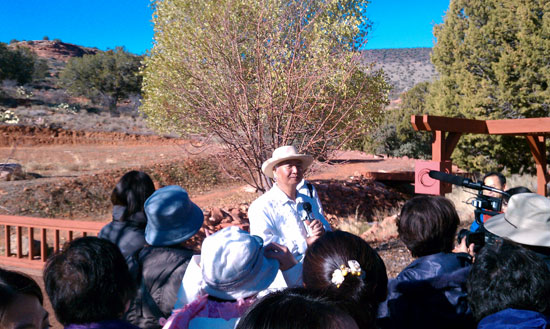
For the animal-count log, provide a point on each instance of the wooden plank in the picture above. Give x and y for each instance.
(21, 262)
(458, 125)
(531, 126)
(47, 223)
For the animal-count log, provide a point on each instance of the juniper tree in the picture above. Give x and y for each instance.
(493, 60)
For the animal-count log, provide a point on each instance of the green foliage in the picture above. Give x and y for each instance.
(396, 136)
(260, 74)
(110, 75)
(492, 57)
(20, 64)
(46, 38)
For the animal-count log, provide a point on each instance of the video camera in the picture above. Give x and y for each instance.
(484, 206)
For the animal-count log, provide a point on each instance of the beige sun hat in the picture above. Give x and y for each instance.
(526, 220)
(285, 153)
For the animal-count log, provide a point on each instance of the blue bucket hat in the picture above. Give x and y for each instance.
(171, 217)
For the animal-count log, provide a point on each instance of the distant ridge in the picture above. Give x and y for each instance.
(54, 49)
(404, 67)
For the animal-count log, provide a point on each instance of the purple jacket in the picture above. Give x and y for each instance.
(513, 318)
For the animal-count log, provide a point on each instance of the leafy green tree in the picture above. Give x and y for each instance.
(110, 75)
(492, 57)
(19, 64)
(256, 75)
(395, 136)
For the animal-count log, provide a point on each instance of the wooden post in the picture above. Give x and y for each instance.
(43, 245)
(7, 240)
(537, 144)
(31, 244)
(18, 241)
(56, 241)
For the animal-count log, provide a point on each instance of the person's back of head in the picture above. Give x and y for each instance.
(508, 276)
(88, 282)
(427, 225)
(344, 266)
(132, 190)
(298, 308)
(21, 302)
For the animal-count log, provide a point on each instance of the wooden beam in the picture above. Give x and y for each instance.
(450, 143)
(458, 125)
(532, 126)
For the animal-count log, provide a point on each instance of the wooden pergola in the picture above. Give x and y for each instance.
(447, 132)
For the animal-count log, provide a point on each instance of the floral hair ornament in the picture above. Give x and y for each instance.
(339, 274)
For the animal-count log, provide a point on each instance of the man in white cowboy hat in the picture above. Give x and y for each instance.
(282, 214)
(526, 222)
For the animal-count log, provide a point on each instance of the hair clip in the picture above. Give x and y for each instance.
(339, 274)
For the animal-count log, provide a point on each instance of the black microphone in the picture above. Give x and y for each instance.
(307, 207)
(456, 180)
(462, 181)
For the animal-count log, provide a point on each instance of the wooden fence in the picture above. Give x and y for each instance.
(44, 236)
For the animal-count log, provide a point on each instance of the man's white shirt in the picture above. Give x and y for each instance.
(276, 218)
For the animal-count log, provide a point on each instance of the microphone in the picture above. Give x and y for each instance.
(307, 207)
(455, 180)
(309, 218)
(462, 181)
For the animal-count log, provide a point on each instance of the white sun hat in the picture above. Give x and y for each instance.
(526, 220)
(234, 266)
(285, 153)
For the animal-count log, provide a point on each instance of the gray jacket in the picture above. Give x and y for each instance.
(158, 272)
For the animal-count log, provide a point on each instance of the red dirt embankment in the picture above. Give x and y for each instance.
(35, 136)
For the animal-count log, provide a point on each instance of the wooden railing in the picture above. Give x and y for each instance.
(52, 233)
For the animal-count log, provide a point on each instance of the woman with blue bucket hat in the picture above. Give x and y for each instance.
(172, 219)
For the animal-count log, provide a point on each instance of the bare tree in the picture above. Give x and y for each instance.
(256, 75)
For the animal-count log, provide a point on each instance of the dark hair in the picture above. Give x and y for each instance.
(334, 249)
(14, 283)
(500, 176)
(295, 308)
(508, 276)
(132, 190)
(88, 282)
(427, 225)
(515, 190)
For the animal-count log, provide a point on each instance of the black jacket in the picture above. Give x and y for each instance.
(429, 293)
(158, 272)
(128, 233)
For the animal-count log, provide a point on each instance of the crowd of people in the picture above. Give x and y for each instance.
(291, 270)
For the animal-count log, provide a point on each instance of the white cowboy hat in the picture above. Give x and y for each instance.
(285, 153)
(526, 220)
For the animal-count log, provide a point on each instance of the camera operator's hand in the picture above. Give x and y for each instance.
(465, 249)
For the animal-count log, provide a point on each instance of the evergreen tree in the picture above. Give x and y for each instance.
(110, 75)
(18, 64)
(492, 58)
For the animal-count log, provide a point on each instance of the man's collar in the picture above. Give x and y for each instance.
(279, 196)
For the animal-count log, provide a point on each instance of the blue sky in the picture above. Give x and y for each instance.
(106, 24)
